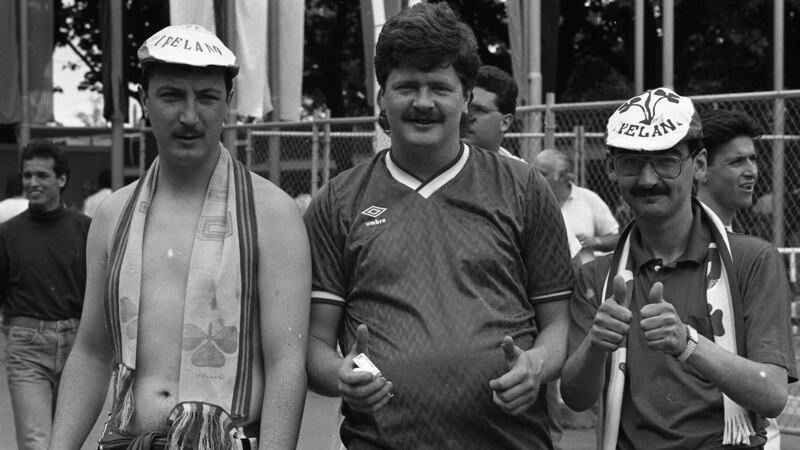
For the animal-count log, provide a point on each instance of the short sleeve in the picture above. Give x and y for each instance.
(585, 302)
(326, 237)
(766, 296)
(546, 252)
(604, 223)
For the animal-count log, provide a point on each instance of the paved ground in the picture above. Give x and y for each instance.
(318, 432)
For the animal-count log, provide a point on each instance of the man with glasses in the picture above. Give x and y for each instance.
(491, 109)
(683, 331)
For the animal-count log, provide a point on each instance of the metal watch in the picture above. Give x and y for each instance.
(691, 344)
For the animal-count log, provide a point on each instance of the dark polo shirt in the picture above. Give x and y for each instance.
(666, 403)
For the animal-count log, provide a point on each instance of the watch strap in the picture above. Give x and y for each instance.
(691, 344)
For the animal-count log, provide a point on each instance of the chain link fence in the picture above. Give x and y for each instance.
(301, 156)
(578, 130)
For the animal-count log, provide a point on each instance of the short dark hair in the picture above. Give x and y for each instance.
(14, 185)
(501, 84)
(145, 79)
(723, 125)
(44, 149)
(424, 37)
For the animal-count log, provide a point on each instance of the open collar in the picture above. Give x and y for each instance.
(435, 182)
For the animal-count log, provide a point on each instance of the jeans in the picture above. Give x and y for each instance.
(36, 357)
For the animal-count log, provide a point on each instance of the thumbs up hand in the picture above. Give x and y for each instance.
(612, 321)
(516, 390)
(362, 390)
(663, 329)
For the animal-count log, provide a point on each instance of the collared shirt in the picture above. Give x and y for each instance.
(666, 403)
(508, 154)
(586, 213)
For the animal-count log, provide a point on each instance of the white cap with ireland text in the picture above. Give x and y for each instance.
(191, 45)
(656, 120)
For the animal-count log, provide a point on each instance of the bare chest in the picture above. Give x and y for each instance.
(166, 256)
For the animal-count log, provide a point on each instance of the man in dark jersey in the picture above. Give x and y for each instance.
(438, 261)
(684, 329)
(42, 281)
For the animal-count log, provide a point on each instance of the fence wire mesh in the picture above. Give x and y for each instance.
(577, 129)
(301, 156)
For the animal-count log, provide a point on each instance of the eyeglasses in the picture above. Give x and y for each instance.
(479, 110)
(668, 167)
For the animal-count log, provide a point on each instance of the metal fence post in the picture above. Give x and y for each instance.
(550, 122)
(275, 158)
(326, 152)
(314, 157)
(580, 156)
(248, 149)
(778, 174)
(142, 150)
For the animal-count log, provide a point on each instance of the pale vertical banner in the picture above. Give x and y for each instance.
(40, 62)
(252, 88)
(516, 38)
(291, 17)
(10, 101)
(200, 12)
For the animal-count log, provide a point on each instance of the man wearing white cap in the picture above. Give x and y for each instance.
(198, 281)
(683, 331)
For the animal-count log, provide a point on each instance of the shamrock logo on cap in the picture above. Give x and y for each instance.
(655, 120)
(649, 112)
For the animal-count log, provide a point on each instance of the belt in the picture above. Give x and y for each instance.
(29, 322)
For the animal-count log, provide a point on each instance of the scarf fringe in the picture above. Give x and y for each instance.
(199, 428)
(737, 428)
(122, 412)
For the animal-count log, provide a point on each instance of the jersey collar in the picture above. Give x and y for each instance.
(434, 183)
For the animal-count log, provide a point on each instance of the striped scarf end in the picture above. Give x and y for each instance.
(737, 430)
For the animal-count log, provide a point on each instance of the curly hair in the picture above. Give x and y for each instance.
(427, 36)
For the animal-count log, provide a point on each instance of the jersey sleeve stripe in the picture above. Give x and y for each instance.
(553, 296)
(326, 297)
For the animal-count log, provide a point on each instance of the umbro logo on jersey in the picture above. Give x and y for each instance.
(373, 211)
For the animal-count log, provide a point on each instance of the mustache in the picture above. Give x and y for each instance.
(430, 116)
(644, 191)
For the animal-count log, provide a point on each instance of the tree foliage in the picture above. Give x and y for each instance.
(80, 24)
(720, 46)
(333, 58)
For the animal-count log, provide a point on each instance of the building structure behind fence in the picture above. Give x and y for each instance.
(302, 156)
